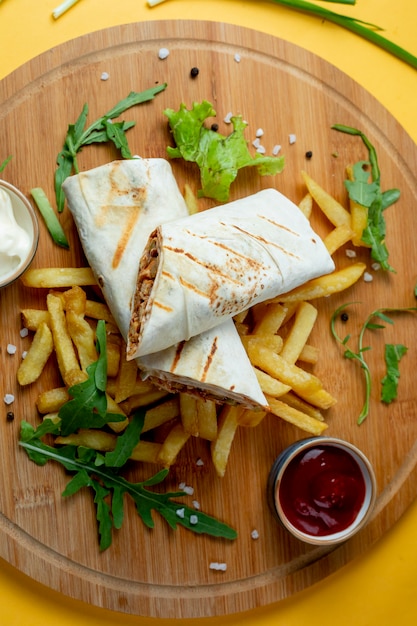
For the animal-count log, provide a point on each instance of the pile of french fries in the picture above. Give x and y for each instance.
(275, 335)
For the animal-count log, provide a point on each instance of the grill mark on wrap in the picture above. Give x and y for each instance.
(208, 266)
(209, 359)
(267, 242)
(207, 364)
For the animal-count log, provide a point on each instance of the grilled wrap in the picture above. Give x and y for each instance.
(115, 208)
(196, 272)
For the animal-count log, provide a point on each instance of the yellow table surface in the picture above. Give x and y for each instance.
(378, 588)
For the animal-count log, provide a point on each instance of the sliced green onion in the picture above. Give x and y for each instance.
(50, 218)
(63, 8)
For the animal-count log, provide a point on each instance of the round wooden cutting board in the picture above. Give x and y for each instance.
(284, 90)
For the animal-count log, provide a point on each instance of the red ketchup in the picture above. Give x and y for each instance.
(322, 490)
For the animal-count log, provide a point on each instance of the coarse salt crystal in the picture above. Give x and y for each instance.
(105, 76)
(219, 567)
(254, 534)
(181, 486)
(376, 266)
(256, 142)
(193, 519)
(24, 332)
(237, 57)
(196, 505)
(292, 138)
(259, 132)
(351, 254)
(228, 118)
(180, 513)
(261, 149)
(367, 277)
(24, 354)
(163, 53)
(276, 149)
(199, 462)
(188, 490)
(11, 349)
(8, 398)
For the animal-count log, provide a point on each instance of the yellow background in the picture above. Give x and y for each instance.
(379, 588)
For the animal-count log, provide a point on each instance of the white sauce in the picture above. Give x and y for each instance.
(15, 243)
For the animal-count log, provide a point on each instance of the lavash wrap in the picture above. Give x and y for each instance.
(198, 271)
(115, 207)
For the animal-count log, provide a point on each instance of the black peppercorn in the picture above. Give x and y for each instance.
(194, 72)
(215, 127)
(344, 317)
(10, 416)
(309, 154)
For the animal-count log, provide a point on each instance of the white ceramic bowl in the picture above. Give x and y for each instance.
(26, 218)
(322, 490)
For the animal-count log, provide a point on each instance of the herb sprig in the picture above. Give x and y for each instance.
(102, 130)
(359, 355)
(101, 472)
(369, 194)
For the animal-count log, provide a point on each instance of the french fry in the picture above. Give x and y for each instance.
(271, 385)
(113, 356)
(79, 330)
(52, 400)
(332, 209)
(115, 409)
(306, 205)
(161, 414)
(273, 342)
(188, 412)
(171, 447)
(302, 382)
(251, 418)
(309, 354)
(139, 400)
(126, 376)
(327, 285)
(303, 324)
(221, 446)
(297, 403)
(359, 217)
(98, 311)
(296, 417)
(207, 419)
(38, 354)
(190, 199)
(273, 315)
(32, 318)
(146, 452)
(54, 277)
(102, 441)
(338, 237)
(64, 348)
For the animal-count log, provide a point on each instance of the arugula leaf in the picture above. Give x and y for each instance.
(358, 355)
(110, 488)
(100, 131)
(369, 194)
(88, 406)
(393, 355)
(126, 442)
(219, 157)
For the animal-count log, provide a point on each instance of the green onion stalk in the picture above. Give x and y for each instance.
(366, 30)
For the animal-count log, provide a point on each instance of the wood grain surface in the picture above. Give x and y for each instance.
(283, 89)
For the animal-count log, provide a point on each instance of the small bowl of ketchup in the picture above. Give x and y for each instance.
(322, 490)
